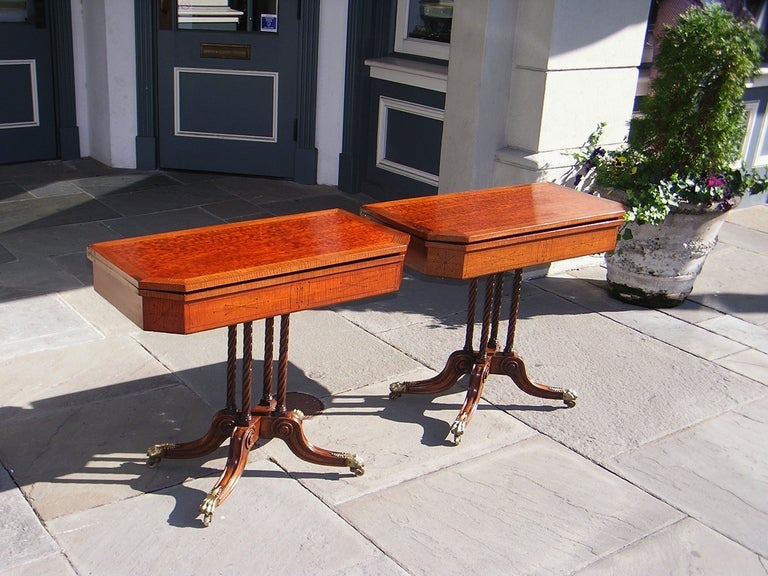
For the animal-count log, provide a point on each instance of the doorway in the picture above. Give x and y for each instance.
(227, 85)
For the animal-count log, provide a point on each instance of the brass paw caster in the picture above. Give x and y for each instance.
(396, 390)
(356, 465)
(208, 506)
(569, 398)
(155, 453)
(458, 427)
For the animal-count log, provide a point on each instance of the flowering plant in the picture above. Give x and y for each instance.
(684, 145)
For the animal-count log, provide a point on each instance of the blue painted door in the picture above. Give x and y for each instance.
(27, 118)
(227, 85)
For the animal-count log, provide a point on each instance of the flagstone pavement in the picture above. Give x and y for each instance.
(660, 468)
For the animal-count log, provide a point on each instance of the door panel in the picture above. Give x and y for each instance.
(227, 87)
(27, 119)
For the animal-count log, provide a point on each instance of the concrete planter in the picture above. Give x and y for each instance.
(658, 266)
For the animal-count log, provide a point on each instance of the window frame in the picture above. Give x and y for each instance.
(416, 46)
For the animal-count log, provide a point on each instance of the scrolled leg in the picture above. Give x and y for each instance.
(288, 428)
(458, 364)
(243, 439)
(221, 427)
(510, 364)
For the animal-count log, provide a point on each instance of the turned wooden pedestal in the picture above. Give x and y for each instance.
(204, 278)
(485, 233)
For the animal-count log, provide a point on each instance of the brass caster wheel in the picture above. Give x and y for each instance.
(396, 390)
(155, 453)
(356, 465)
(457, 429)
(208, 506)
(569, 398)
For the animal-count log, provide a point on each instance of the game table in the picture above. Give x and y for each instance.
(204, 278)
(486, 233)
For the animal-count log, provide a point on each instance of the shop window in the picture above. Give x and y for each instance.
(424, 28)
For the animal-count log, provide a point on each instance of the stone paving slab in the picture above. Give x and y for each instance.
(41, 322)
(736, 329)
(70, 459)
(508, 513)
(738, 286)
(20, 280)
(269, 525)
(681, 335)
(168, 221)
(53, 211)
(12, 192)
(78, 374)
(99, 313)
(674, 327)
(756, 218)
(398, 439)
(684, 548)
(750, 363)
(173, 197)
(57, 240)
(717, 471)
(98, 186)
(22, 538)
(49, 566)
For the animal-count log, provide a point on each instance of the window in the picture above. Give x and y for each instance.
(245, 15)
(14, 11)
(424, 27)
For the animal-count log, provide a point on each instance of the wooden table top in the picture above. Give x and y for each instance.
(494, 213)
(471, 234)
(214, 256)
(204, 278)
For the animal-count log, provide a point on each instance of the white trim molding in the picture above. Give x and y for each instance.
(416, 46)
(385, 105)
(178, 131)
(410, 73)
(35, 120)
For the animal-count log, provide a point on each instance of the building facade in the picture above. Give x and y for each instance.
(395, 98)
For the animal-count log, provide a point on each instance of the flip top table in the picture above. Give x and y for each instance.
(204, 278)
(485, 233)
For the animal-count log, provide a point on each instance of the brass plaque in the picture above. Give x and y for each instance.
(232, 51)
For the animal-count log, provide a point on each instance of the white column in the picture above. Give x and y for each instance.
(575, 65)
(477, 96)
(105, 73)
(529, 80)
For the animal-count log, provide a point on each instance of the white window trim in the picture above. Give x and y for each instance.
(416, 46)
(179, 131)
(385, 105)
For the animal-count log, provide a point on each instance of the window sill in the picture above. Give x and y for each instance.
(409, 72)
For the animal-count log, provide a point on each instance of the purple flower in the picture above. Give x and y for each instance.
(715, 181)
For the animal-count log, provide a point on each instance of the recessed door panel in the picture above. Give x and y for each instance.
(27, 121)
